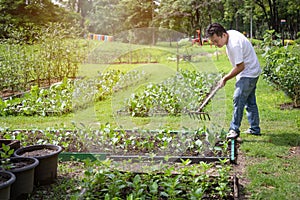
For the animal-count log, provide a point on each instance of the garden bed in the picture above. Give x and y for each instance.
(152, 159)
(160, 145)
(153, 182)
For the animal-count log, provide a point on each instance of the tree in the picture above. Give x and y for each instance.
(136, 13)
(103, 18)
(188, 16)
(276, 10)
(28, 14)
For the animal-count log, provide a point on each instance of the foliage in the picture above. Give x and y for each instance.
(68, 95)
(103, 17)
(188, 16)
(137, 14)
(282, 67)
(53, 101)
(52, 57)
(298, 38)
(66, 138)
(115, 53)
(256, 43)
(172, 182)
(21, 15)
(5, 154)
(185, 91)
(201, 142)
(112, 17)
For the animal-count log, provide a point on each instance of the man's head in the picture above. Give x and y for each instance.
(217, 34)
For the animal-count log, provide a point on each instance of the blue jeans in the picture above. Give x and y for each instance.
(244, 96)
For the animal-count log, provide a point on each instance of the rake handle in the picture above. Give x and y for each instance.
(212, 93)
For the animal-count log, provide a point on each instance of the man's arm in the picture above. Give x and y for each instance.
(235, 71)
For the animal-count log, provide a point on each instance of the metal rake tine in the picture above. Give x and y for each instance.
(199, 116)
(191, 115)
(196, 116)
(208, 117)
(204, 116)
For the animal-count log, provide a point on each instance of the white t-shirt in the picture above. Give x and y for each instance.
(239, 49)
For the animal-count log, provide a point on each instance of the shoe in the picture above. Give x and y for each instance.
(232, 134)
(251, 132)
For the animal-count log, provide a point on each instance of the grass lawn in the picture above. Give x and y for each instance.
(269, 165)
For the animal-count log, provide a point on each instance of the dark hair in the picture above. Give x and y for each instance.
(215, 28)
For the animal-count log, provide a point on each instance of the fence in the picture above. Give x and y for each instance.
(99, 37)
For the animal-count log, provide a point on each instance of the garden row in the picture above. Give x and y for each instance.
(182, 92)
(55, 54)
(178, 94)
(202, 142)
(123, 53)
(68, 95)
(150, 179)
(282, 67)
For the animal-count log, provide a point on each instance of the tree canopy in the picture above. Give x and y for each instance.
(187, 16)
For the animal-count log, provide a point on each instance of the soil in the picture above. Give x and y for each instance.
(239, 169)
(3, 179)
(39, 152)
(294, 152)
(16, 93)
(288, 106)
(18, 164)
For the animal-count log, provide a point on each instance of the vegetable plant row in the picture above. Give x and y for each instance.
(282, 67)
(185, 91)
(203, 142)
(56, 54)
(150, 180)
(173, 182)
(68, 95)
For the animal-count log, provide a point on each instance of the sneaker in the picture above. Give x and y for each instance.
(251, 132)
(232, 134)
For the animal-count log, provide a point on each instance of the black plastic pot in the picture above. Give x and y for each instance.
(46, 171)
(24, 176)
(9, 178)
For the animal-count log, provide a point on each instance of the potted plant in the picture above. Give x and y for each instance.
(23, 170)
(47, 154)
(6, 180)
(13, 144)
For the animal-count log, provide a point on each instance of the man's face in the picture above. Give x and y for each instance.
(219, 41)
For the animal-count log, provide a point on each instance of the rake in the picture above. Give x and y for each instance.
(199, 114)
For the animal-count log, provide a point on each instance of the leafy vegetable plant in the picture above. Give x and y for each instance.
(282, 67)
(185, 91)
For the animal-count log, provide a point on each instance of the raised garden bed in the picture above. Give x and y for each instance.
(156, 180)
(132, 151)
(200, 145)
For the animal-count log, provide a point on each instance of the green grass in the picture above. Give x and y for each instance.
(273, 173)
(271, 169)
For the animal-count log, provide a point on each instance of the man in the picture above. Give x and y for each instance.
(246, 69)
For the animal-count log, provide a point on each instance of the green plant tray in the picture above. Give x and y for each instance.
(69, 156)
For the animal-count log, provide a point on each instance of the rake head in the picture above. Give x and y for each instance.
(199, 115)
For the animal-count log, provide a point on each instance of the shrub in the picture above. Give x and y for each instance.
(282, 67)
(256, 42)
(289, 42)
(298, 38)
